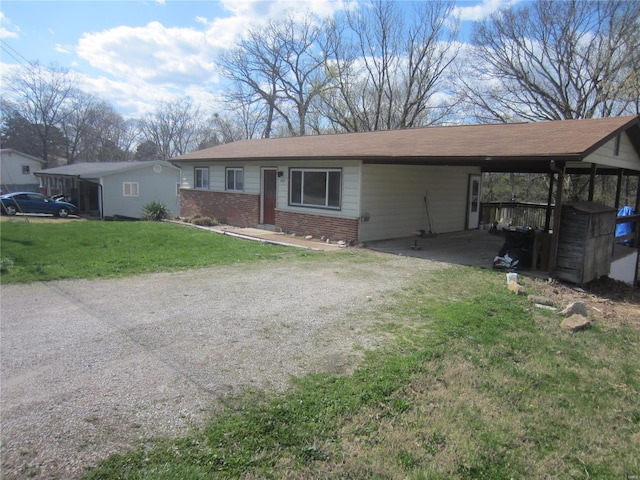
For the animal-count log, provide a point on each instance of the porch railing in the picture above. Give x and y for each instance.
(516, 214)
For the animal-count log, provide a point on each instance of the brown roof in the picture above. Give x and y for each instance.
(559, 140)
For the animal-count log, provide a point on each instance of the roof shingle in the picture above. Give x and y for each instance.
(565, 138)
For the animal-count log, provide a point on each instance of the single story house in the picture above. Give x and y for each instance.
(114, 189)
(386, 184)
(17, 171)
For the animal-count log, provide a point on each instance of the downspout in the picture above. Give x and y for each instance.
(555, 237)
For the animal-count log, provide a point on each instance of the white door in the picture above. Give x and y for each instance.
(473, 206)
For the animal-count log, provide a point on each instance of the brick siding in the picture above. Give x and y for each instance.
(238, 209)
(243, 210)
(335, 228)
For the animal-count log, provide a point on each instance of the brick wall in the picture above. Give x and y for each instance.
(335, 228)
(239, 209)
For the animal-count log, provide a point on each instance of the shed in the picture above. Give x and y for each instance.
(115, 189)
(585, 242)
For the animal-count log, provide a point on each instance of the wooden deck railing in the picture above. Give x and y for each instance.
(516, 213)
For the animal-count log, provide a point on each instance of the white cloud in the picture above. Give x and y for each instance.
(153, 53)
(153, 62)
(60, 48)
(7, 29)
(482, 10)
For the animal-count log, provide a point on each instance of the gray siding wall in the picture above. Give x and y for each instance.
(627, 156)
(393, 198)
(152, 186)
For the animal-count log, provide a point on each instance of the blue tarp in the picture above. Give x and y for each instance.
(623, 229)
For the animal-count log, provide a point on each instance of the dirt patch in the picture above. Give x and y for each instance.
(35, 218)
(607, 300)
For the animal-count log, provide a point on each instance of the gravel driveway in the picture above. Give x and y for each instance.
(89, 368)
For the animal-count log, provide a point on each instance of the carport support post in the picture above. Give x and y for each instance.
(547, 219)
(619, 188)
(553, 251)
(592, 181)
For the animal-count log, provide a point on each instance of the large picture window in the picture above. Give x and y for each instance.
(315, 188)
(235, 179)
(201, 179)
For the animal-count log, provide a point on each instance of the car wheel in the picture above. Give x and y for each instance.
(63, 212)
(9, 209)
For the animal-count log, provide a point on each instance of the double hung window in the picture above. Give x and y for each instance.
(201, 178)
(130, 189)
(315, 187)
(235, 179)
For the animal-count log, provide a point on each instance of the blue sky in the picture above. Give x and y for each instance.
(135, 53)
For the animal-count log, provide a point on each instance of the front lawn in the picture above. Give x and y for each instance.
(36, 249)
(475, 382)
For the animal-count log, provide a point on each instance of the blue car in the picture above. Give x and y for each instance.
(29, 202)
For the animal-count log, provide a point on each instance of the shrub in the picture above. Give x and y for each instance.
(155, 211)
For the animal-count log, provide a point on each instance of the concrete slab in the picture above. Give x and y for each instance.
(471, 247)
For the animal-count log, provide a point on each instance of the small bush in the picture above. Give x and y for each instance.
(155, 212)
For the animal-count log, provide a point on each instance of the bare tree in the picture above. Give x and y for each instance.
(555, 60)
(95, 132)
(176, 127)
(281, 66)
(389, 76)
(41, 97)
(254, 66)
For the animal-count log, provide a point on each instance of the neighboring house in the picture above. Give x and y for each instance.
(17, 171)
(114, 189)
(387, 184)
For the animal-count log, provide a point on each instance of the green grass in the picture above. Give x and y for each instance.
(35, 250)
(477, 385)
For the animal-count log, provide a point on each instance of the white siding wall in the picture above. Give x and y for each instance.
(217, 176)
(252, 178)
(11, 176)
(350, 202)
(159, 187)
(393, 196)
(626, 158)
(188, 176)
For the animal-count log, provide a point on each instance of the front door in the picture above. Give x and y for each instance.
(473, 206)
(269, 196)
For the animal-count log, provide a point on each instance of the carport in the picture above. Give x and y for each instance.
(592, 147)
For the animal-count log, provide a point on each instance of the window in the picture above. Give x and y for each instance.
(26, 170)
(235, 179)
(315, 188)
(201, 178)
(130, 189)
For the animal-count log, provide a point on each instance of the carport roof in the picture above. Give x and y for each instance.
(489, 145)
